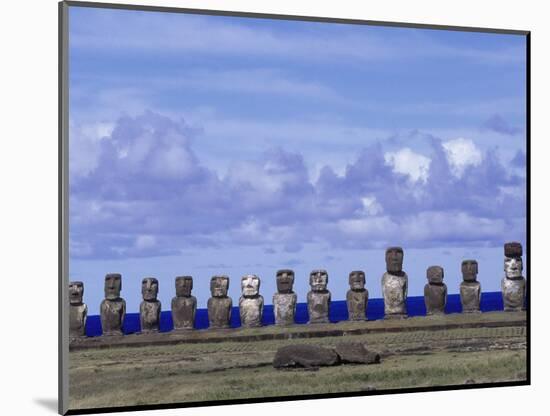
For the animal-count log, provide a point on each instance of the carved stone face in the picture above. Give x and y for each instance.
(357, 280)
(394, 259)
(219, 286)
(184, 286)
(435, 274)
(318, 280)
(469, 270)
(149, 288)
(513, 266)
(76, 292)
(113, 286)
(285, 281)
(250, 285)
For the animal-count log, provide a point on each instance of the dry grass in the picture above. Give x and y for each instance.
(238, 370)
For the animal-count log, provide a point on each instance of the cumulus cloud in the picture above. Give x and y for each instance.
(371, 205)
(407, 162)
(148, 194)
(277, 171)
(462, 153)
(84, 149)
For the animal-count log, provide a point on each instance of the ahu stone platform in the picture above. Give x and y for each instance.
(340, 329)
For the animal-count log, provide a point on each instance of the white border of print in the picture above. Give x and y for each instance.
(29, 212)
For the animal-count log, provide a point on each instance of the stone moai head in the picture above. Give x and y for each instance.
(357, 280)
(285, 280)
(250, 285)
(435, 275)
(113, 286)
(219, 285)
(184, 286)
(469, 270)
(150, 288)
(513, 265)
(318, 280)
(394, 260)
(76, 292)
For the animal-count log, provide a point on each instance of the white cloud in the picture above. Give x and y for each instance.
(173, 162)
(409, 163)
(371, 205)
(462, 153)
(99, 130)
(253, 231)
(84, 149)
(271, 199)
(254, 175)
(427, 228)
(274, 173)
(377, 231)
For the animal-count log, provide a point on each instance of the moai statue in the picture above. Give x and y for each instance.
(78, 311)
(357, 296)
(470, 288)
(435, 292)
(219, 305)
(113, 307)
(318, 298)
(149, 309)
(513, 283)
(184, 306)
(251, 303)
(395, 285)
(284, 301)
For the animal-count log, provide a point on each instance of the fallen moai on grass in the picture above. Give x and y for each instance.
(311, 356)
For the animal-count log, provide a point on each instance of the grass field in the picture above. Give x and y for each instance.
(195, 372)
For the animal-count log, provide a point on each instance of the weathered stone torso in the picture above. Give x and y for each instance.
(470, 296)
(77, 320)
(112, 316)
(219, 312)
(149, 316)
(183, 312)
(318, 304)
(394, 290)
(435, 298)
(357, 304)
(251, 311)
(284, 308)
(513, 294)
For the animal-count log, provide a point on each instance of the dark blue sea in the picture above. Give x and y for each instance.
(490, 301)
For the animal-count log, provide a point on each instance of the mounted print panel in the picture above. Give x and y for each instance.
(266, 208)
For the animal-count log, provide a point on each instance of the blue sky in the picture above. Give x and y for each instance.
(205, 144)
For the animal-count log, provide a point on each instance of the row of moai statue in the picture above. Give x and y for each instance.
(251, 303)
